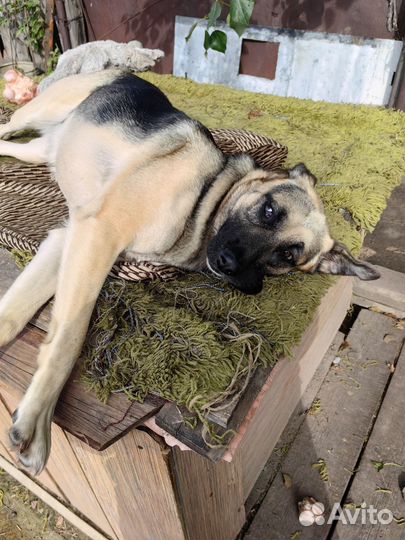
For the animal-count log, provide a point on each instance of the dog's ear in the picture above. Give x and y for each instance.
(302, 174)
(341, 262)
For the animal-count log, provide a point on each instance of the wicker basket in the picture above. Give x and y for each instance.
(31, 203)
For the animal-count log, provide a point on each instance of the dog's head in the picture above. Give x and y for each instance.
(271, 223)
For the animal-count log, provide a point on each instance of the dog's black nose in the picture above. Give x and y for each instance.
(226, 262)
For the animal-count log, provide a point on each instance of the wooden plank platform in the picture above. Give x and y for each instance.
(287, 383)
(140, 488)
(379, 478)
(274, 463)
(331, 438)
(386, 294)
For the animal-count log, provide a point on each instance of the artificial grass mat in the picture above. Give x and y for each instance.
(195, 340)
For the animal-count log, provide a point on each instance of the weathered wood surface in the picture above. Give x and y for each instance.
(276, 459)
(210, 496)
(133, 484)
(75, 22)
(386, 293)
(287, 383)
(382, 489)
(170, 418)
(78, 410)
(349, 399)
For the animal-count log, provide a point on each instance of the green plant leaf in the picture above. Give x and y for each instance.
(240, 13)
(207, 41)
(215, 41)
(214, 13)
(218, 41)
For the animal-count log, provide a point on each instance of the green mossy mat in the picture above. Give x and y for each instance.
(195, 340)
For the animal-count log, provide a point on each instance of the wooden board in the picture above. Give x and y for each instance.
(133, 484)
(78, 410)
(386, 445)
(386, 293)
(210, 496)
(276, 459)
(349, 399)
(286, 384)
(125, 490)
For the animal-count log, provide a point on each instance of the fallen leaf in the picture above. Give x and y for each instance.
(400, 324)
(60, 522)
(287, 480)
(388, 338)
(34, 504)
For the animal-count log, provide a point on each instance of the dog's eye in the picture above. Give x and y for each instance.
(288, 256)
(268, 211)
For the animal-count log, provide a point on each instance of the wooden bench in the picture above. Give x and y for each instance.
(113, 477)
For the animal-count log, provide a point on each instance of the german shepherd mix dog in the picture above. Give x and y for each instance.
(142, 178)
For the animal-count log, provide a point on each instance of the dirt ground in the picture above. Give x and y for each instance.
(23, 516)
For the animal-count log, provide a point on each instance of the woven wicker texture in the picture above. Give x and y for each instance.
(31, 203)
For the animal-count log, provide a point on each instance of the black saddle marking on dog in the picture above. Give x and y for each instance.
(133, 103)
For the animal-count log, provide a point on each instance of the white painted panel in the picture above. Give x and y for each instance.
(311, 65)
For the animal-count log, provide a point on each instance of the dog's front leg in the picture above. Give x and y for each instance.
(90, 250)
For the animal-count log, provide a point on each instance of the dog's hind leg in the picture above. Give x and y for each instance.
(90, 250)
(35, 151)
(33, 287)
(54, 105)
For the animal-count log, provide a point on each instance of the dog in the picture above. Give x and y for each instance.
(143, 179)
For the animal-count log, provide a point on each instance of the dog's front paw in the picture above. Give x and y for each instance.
(31, 439)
